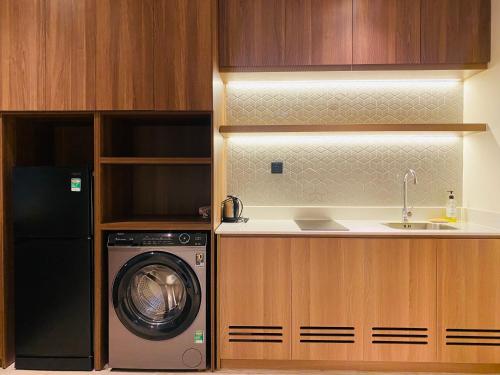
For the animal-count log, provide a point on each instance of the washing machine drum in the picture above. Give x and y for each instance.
(156, 295)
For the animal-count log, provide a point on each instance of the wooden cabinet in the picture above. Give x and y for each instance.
(469, 301)
(386, 31)
(400, 300)
(456, 31)
(22, 55)
(254, 298)
(252, 33)
(183, 55)
(327, 299)
(124, 57)
(318, 32)
(70, 55)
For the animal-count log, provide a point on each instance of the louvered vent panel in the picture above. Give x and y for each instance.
(267, 334)
(472, 337)
(327, 335)
(400, 335)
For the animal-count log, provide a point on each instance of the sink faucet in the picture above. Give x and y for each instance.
(406, 211)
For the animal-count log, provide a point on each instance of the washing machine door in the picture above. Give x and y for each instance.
(156, 295)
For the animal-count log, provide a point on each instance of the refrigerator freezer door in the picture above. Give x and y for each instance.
(52, 202)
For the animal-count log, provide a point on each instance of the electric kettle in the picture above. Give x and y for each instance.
(232, 208)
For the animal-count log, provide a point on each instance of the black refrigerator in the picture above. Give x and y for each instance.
(53, 260)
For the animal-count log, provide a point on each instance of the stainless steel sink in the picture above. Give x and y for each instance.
(320, 225)
(420, 226)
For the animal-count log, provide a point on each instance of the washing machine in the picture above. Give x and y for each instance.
(157, 300)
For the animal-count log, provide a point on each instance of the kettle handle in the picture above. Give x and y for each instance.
(241, 207)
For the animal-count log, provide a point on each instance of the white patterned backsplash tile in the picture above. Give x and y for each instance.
(358, 170)
(343, 102)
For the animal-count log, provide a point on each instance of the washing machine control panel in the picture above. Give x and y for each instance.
(158, 239)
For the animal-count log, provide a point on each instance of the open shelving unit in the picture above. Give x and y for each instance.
(155, 170)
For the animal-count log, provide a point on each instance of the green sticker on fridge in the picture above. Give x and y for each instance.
(199, 337)
(76, 184)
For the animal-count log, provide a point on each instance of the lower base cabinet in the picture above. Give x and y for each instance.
(359, 299)
(254, 288)
(469, 301)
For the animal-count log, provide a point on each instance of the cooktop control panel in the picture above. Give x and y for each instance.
(158, 239)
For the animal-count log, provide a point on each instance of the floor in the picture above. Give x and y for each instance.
(12, 371)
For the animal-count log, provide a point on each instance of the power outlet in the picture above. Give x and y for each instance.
(277, 167)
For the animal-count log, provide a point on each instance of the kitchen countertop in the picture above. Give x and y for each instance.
(356, 228)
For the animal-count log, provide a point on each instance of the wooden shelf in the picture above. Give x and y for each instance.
(157, 223)
(155, 160)
(455, 128)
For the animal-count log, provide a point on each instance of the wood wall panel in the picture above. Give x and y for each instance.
(70, 55)
(7, 151)
(183, 55)
(254, 292)
(22, 55)
(125, 56)
(456, 31)
(469, 299)
(327, 291)
(386, 31)
(252, 32)
(318, 32)
(400, 293)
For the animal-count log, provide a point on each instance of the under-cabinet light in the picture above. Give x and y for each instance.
(300, 139)
(315, 84)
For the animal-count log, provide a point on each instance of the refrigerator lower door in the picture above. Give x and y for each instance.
(53, 304)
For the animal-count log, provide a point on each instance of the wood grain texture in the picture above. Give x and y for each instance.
(125, 56)
(400, 292)
(70, 54)
(327, 291)
(252, 32)
(254, 290)
(22, 55)
(456, 31)
(183, 55)
(469, 298)
(460, 128)
(164, 161)
(100, 272)
(7, 152)
(386, 31)
(398, 368)
(318, 32)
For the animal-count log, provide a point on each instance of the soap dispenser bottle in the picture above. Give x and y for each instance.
(451, 207)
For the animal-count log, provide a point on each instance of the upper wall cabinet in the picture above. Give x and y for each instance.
(125, 58)
(354, 34)
(22, 54)
(456, 31)
(70, 55)
(386, 32)
(318, 32)
(252, 33)
(183, 55)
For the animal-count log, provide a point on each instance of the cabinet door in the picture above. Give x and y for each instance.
(183, 55)
(318, 32)
(70, 55)
(252, 33)
(469, 301)
(400, 300)
(456, 31)
(386, 31)
(327, 299)
(22, 55)
(254, 298)
(124, 57)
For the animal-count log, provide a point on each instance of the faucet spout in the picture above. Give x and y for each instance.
(407, 211)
